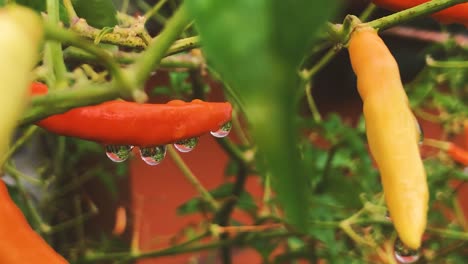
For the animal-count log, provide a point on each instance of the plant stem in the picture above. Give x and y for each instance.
(30, 131)
(146, 8)
(37, 222)
(152, 57)
(311, 103)
(55, 33)
(185, 248)
(183, 45)
(451, 234)
(73, 222)
(446, 64)
(174, 61)
(224, 213)
(233, 151)
(53, 49)
(367, 12)
(61, 101)
(331, 53)
(414, 12)
(70, 11)
(150, 13)
(192, 179)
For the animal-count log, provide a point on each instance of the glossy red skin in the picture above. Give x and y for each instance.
(458, 154)
(454, 14)
(144, 125)
(19, 244)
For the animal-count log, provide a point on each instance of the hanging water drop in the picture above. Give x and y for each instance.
(153, 155)
(388, 217)
(186, 145)
(223, 131)
(421, 132)
(118, 153)
(403, 254)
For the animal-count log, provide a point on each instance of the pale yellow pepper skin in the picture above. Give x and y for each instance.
(21, 33)
(392, 134)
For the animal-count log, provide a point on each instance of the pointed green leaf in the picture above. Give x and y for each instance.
(98, 13)
(256, 47)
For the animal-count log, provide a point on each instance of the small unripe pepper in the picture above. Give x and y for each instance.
(392, 134)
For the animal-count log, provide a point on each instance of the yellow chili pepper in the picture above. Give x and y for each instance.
(21, 33)
(392, 134)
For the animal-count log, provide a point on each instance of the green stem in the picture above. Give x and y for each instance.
(223, 215)
(174, 61)
(146, 7)
(184, 45)
(56, 102)
(367, 12)
(37, 222)
(184, 247)
(311, 103)
(152, 57)
(73, 185)
(191, 178)
(53, 50)
(446, 64)
(70, 11)
(58, 34)
(452, 234)
(21, 176)
(331, 53)
(73, 222)
(233, 151)
(31, 131)
(414, 12)
(150, 13)
(238, 129)
(124, 7)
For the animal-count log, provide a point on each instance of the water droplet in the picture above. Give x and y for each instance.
(153, 155)
(421, 132)
(118, 153)
(403, 254)
(223, 131)
(387, 216)
(186, 145)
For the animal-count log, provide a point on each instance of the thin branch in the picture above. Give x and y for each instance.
(151, 58)
(192, 178)
(412, 13)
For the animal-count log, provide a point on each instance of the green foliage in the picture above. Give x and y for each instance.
(98, 13)
(322, 174)
(224, 191)
(41, 6)
(256, 47)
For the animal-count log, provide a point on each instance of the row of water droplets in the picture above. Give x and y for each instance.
(155, 155)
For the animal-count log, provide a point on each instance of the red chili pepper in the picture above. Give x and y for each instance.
(454, 14)
(457, 153)
(144, 125)
(19, 244)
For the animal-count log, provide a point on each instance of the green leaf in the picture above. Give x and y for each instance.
(256, 47)
(40, 6)
(245, 201)
(98, 13)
